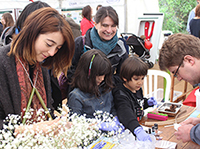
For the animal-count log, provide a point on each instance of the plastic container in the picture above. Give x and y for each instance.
(157, 116)
(159, 97)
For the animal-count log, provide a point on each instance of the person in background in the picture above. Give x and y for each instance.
(22, 17)
(190, 17)
(195, 23)
(98, 6)
(1, 28)
(92, 83)
(180, 55)
(24, 65)
(86, 22)
(7, 22)
(128, 96)
(103, 36)
(74, 26)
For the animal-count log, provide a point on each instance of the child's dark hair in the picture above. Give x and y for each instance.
(91, 64)
(133, 66)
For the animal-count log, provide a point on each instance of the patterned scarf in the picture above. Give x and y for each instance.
(104, 46)
(26, 87)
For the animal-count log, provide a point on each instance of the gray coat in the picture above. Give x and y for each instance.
(74, 26)
(10, 93)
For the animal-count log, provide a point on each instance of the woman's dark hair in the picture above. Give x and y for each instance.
(87, 12)
(133, 66)
(28, 10)
(106, 12)
(42, 21)
(85, 78)
(197, 11)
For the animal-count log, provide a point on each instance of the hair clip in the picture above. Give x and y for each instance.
(17, 30)
(90, 65)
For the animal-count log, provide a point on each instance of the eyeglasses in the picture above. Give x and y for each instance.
(175, 74)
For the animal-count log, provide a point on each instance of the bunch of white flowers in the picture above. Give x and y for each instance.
(82, 133)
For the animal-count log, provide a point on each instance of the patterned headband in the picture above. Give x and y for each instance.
(90, 66)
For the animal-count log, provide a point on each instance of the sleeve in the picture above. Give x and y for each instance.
(123, 58)
(77, 54)
(78, 50)
(113, 110)
(125, 111)
(190, 17)
(146, 103)
(2, 115)
(75, 104)
(194, 134)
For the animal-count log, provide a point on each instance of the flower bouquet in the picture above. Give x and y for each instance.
(67, 132)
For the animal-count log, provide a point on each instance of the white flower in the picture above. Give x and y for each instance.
(83, 130)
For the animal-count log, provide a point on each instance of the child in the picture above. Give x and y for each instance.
(92, 84)
(128, 96)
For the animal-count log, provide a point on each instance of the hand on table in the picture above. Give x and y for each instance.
(141, 134)
(183, 132)
(192, 120)
(114, 125)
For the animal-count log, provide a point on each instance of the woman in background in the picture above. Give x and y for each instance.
(86, 22)
(21, 19)
(195, 23)
(7, 22)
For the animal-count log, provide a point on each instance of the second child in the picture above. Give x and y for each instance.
(128, 96)
(92, 84)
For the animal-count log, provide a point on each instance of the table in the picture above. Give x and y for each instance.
(168, 132)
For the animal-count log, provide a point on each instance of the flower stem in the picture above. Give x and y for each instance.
(43, 104)
(28, 105)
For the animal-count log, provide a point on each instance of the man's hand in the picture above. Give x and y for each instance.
(192, 120)
(183, 132)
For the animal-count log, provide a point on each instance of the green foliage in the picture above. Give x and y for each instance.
(176, 14)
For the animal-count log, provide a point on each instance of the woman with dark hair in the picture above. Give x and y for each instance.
(86, 22)
(103, 36)
(45, 41)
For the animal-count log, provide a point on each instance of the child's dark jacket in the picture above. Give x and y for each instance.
(128, 107)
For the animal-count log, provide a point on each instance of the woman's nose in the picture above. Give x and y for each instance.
(109, 29)
(52, 51)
